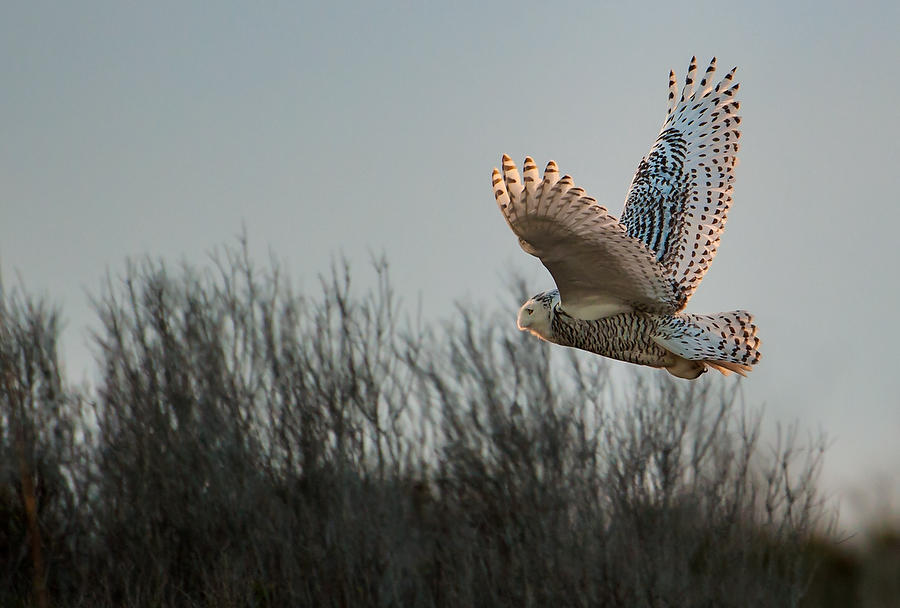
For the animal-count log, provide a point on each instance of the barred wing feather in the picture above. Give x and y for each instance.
(598, 267)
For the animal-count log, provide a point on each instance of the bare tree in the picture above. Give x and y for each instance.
(39, 454)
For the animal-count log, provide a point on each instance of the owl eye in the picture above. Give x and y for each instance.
(529, 311)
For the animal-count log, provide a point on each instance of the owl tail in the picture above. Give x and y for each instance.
(726, 341)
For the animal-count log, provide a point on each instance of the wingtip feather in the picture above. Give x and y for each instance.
(511, 178)
(530, 175)
(689, 80)
(500, 193)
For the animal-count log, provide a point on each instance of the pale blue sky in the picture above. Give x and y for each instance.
(332, 127)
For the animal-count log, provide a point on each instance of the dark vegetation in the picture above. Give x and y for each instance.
(248, 446)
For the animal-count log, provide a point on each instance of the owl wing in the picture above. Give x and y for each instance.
(598, 267)
(680, 195)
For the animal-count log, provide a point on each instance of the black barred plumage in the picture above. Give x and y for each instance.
(622, 284)
(626, 337)
(681, 342)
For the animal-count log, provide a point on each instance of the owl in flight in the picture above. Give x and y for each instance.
(622, 284)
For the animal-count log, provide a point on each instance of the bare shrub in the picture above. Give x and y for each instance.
(562, 494)
(250, 446)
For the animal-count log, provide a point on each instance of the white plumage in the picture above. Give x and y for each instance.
(622, 284)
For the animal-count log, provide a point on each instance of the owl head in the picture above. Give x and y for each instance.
(537, 313)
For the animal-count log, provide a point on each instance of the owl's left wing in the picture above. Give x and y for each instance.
(681, 193)
(599, 269)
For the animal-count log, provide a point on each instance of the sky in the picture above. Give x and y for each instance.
(327, 129)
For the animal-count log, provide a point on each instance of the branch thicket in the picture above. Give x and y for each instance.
(248, 445)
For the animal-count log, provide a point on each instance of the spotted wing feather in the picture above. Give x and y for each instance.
(681, 193)
(598, 267)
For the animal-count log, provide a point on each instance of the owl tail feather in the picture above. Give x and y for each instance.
(725, 342)
(726, 367)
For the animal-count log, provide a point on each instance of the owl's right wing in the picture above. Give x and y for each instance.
(598, 267)
(681, 193)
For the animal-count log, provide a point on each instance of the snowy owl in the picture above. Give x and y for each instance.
(622, 284)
